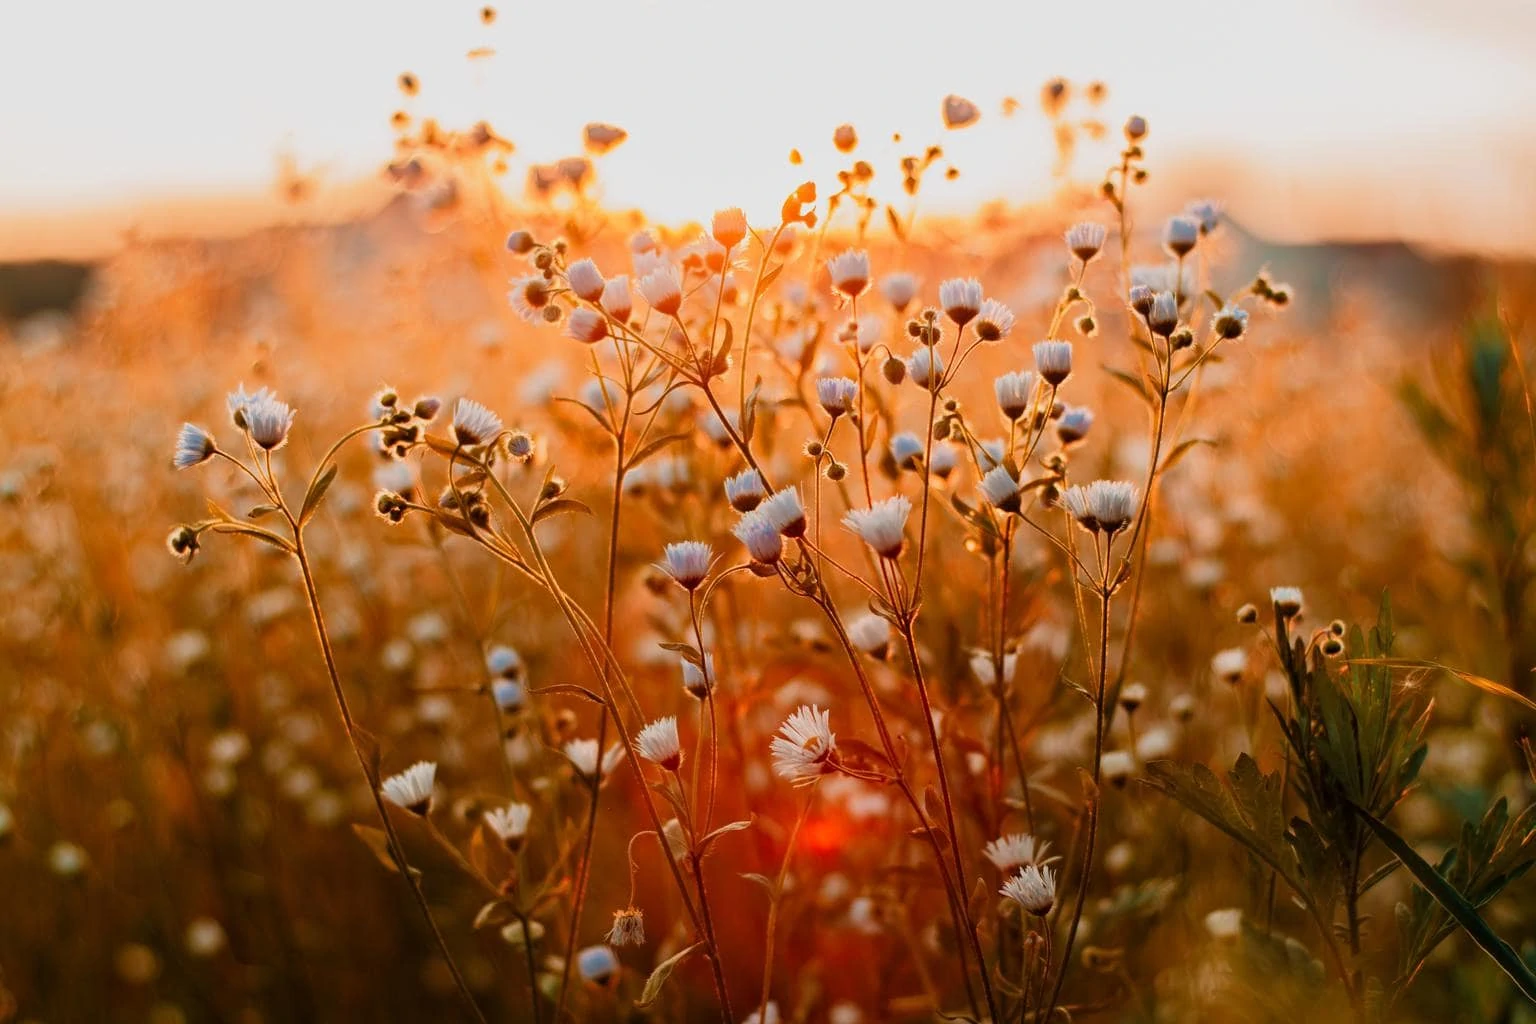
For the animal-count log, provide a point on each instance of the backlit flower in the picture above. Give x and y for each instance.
(687, 562)
(473, 423)
(849, 272)
(1033, 888)
(1053, 359)
(899, 290)
(1014, 391)
(761, 537)
(1001, 489)
(805, 747)
(883, 525)
(745, 490)
(585, 280)
(1015, 850)
(628, 928)
(926, 368)
(587, 326)
(1181, 235)
(729, 226)
(663, 289)
(1107, 505)
(583, 757)
(616, 300)
(961, 299)
(785, 511)
(837, 395)
(1085, 240)
(194, 446)
(509, 824)
(994, 321)
(412, 788)
(658, 743)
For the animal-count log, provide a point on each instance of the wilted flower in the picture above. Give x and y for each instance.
(1053, 359)
(585, 280)
(837, 395)
(1033, 888)
(745, 490)
(509, 824)
(806, 747)
(1016, 850)
(688, 562)
(899, 290)
(658, 743)
(883, 525)
(663, 289)
(194, 446)
(473, 423)
(961, 299)
(994, 321)
(1107, 505)
(1085, 240)
(412, 788)
(628, 928)
(849, 272)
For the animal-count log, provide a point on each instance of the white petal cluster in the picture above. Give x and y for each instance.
(803, 750)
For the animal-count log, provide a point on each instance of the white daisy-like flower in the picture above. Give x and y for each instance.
(587, 326)
(883, 525)
(849, 272)
(1053, 359)
(239, 399)
(1224, 925)
(700, 681)
(1107, 505)
(1117, 766)
(502, 660)
(585, 280)
(1229, 665)
(926, 368)
(616, 300)
(994, 321)
(984, 667)
(871, 634)
(745, 490)
(663, 289)
(473, 423)
(1074, 424)
(899, 290)
(1014, 392)
(628, 928)
(1163, 317)
(687, 562)
(762, 538)
(960, 299)
(991, 453)
(412, 788)
(837, 395)
(194, 446)
(267, 420)
(1287, 600)
(1001, 489)
(907, 450)
(658, 743)
(728, 226)
(1181, 235)
(1205, 212)
(1016, 850)
(1033, 888)
(1085, 240)
(806, 747)
(943, 459)
(784, 510)
(509, 824)
(1230, 322)
(509, 694)
(583, 757)
(597, 964)
(528, 297)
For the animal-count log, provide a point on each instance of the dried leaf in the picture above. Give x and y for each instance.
(660, 974)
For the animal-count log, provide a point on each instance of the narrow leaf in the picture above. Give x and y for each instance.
(660, 974)
(316, 492)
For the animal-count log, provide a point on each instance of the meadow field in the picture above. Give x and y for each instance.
(501, 606)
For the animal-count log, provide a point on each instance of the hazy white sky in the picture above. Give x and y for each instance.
(112, 100)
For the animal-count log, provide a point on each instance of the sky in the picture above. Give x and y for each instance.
(112, 103)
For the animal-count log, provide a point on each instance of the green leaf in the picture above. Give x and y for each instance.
(316, 492)
(660, 974)
(1455, 904)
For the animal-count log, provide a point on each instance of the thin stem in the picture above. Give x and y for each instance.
(778, 894)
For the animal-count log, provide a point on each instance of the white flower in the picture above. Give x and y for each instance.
(628, 928)
(238, 400)
(1014, 392)
(907, 450)
(849, 272)
(528, 296)
(597, 964)
(761, 537)
(745, 490)
(473, 423)
(1074, 423)
(600, 394)
(1033, 888)
(1205, 212)
(926, 368)
(583, 756)
(837, 395)
(509, 824)
(717, 428)
(1001, 489)
(882, 526)
(1133, 696)
(805, 748)
(194, 446)
(663, 289)
(1287, 600)
(585, 280)
(1015, 850)
(1230, 664)
(1163, 317)
(1157, 742)
(729, 226)
(1107, 505)
(700, 682)
(769, 1014)
(1054, 360)
(587, 326)
(66, 859)
(984, 667)
(994, 321)
(658, 743)
(991, 453)
(1224, 925)
(1180, 235)
(943, 459)
(784, 510)
(1117, 766)
(867, 332)
(267, 420)
(961, 299)
(508, 694)
(871, 634)
(687, 562)
(899, 290)
(616, 300)
(502, 660)
(412, 788)
(1086, 239)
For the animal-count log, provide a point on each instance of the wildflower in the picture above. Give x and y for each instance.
(899, 290)
(509, 824)
(1205, 212)
(1180, 235)
(765, 1014)
(837, 395)
(616, 300)
(907, 450)
(882, 526)
(942, 460)
(502, 660)
(183, 543)
(262, 416)
(1074, 423)
(1224, 925)
(1085, 240)
(1107, 505)
(529, 296)
(867, 332)
(698, 680)
(1287, 600)
(1033, 888)
(926, 368)
(520, 242)
(427, 408)
(663, 289)
(849, 272)
(729, 226)
(628, 928)
(1182, 707)
(1001, 489)
(508, 694)
(1230, 322)
(1053, 360)
(597, 964)
(658, 743)
(1117, 766)
(1141, 298)
(1164, 315)
(961, 299)
(871, 634)
(412, 788)
(784, 512)
(583, 756)
(1014, 391)
(984, 667)
(1016, 850)
(194, 446)
(806, 748)
(1133, 696)
(687, 562)
(990, 454)
(745, 490)
(1230, 664)
(585, 280)
(994, 321)
(761, 537)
